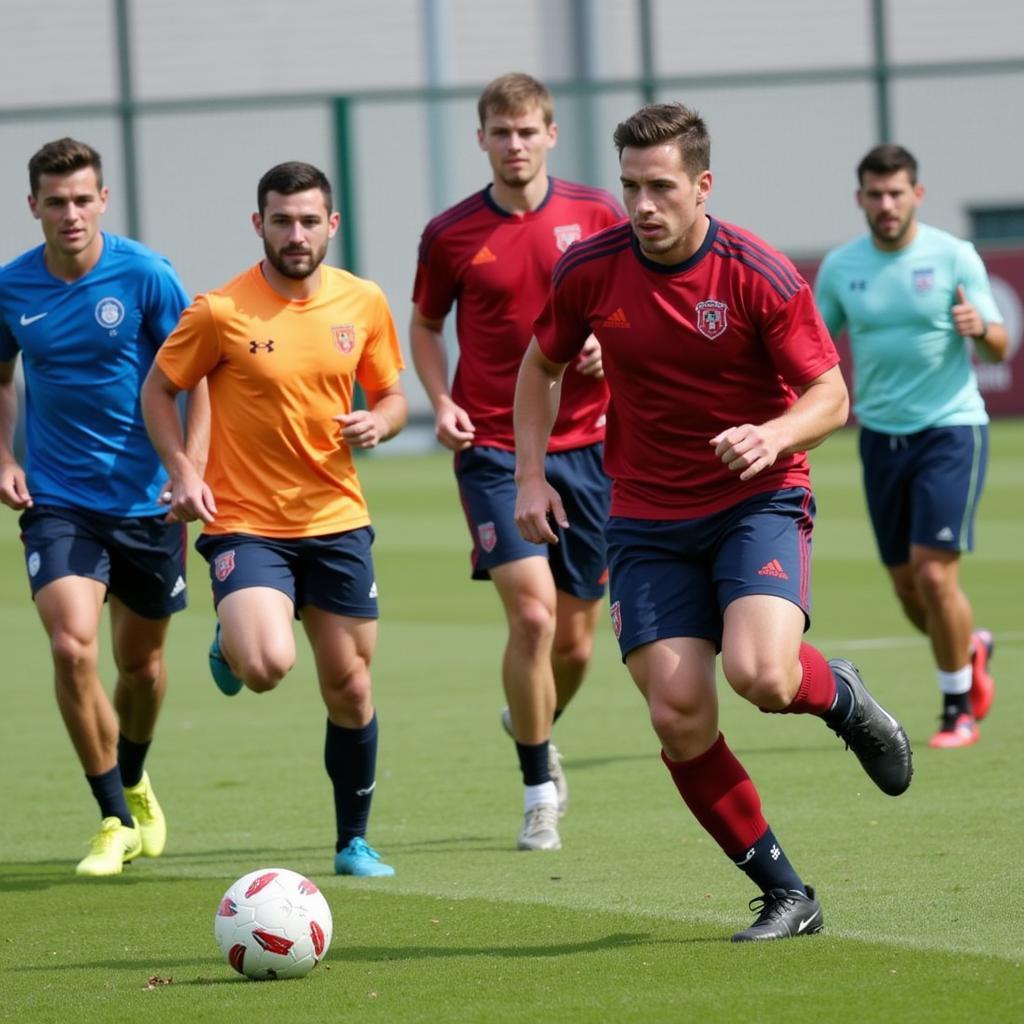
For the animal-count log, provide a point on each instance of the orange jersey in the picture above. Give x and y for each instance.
(278, 372)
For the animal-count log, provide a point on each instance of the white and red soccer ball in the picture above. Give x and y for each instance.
(273, 923)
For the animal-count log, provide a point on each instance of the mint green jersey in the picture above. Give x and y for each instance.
(911, 370)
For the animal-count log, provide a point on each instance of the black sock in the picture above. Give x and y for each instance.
(956, 704)
(533, 762)
(842, 705)
(350, 757)
(768, 867)
(109, 794)
(130, 758)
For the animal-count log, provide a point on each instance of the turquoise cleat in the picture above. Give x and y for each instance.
(362, 860)
(227, 682)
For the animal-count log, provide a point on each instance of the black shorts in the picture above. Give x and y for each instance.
(141, 559)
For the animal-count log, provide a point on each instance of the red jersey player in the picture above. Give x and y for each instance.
(721, 375)
(491, 255)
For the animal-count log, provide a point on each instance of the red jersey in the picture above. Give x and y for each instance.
(497, 267)
(689, 350)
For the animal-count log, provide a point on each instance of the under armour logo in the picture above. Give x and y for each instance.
(256, 346)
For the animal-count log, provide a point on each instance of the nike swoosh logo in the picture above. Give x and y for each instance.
(740, 863)
(26, 320)
(368, 790)
(803, 924)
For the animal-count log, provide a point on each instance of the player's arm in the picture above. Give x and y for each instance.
(14, 492)
(197, 426)
(822, 406)
(191, 498)
(385, 414)
(538, 391)
(452, 425)
(991, 339)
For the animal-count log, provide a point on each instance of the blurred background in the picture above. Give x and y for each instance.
(190, 102)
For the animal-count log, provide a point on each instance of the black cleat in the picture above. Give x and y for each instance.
(783, 914)
(874, 735)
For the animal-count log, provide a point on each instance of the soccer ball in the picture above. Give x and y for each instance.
(273, 923)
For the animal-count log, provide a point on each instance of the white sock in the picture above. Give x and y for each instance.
(955, 682)
(545, 793)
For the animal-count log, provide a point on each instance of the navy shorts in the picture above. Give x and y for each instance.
(923, 488)
(333, 572)
(487, 487)
(675, 578)
(141, 559)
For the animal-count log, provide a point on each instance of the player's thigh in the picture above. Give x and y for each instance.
(576, 621)
(761, 647)
(138, 641)
(527, 592)
(256, 629)
(948, 481)
(487, 489)
(677, 679)
(70, 608)
(343, 648)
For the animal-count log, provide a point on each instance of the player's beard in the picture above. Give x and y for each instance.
(296, 271)
(887, 236)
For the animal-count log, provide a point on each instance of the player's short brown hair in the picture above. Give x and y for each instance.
(886, 159)
(658, 123)
(63, 156)
(288, 178)
(515, 93)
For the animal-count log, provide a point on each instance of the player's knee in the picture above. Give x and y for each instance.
(350, 691)
(265, 671)
(932, 581)
(143, 675)
(71, 654)
(765, 683)
(533, 624)
(573, 653)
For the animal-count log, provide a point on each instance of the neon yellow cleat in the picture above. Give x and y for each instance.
(112, 846)
(149, 818)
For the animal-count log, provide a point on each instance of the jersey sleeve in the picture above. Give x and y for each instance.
(381, 359)
(164, 301)
(192, 349)
(827, 297)
(798, 341)
(971, 273)
(435, 289)
(562, 326)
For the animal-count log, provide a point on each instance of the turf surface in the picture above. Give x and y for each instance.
(631, 920)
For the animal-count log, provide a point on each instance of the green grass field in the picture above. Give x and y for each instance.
(631, 920)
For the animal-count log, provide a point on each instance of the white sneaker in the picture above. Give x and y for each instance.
(554, 765)
(540, 829)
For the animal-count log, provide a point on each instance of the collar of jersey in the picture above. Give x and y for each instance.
(501, 212)
(678, 268)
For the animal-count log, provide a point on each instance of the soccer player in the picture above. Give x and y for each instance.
(492, 255)
(913, 299)
(87, 311)
(721, 375)
(285, 524)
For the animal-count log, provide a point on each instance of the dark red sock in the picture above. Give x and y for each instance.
(721, 796)
(817, 685)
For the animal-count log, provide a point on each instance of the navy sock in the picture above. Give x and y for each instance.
(533, 762)
(131, 756)
(767, 866)
(350, 757)
(841, 706)
(109, 794)
(956, 703)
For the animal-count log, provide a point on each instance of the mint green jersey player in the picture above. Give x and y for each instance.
(911, 368)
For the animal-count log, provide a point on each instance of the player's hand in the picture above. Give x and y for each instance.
(361, 428)
(589, 361)
(535, 501)
(189, 498)
(14, 491)
(966, 319)
(746, 449)
(453, 427)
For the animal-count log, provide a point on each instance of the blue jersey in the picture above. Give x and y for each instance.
(86, 347)
(911, 370)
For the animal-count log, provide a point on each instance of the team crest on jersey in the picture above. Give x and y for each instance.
(344, 337)
(616, 614)
(712, 319)
(109, 312)
(566, 234)
(224, 565)
(924, 280)
(488, 536)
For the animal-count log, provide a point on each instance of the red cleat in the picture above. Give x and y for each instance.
(957, 731)
(983, 686)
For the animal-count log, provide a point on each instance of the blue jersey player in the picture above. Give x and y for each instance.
(87, 312)
(913, 298)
